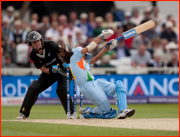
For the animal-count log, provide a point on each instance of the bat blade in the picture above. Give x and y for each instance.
(139, 29)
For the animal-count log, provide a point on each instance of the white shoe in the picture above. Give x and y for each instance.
(21, 117)
(81, 111)
(126, 113)
(71, 116)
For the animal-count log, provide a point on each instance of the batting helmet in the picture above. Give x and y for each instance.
(34, 36)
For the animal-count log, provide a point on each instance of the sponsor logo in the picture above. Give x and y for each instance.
(47, 64)
(129, 33)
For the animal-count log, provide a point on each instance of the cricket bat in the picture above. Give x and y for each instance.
(137, 30)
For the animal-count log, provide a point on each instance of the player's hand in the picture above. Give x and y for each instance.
(111, 44)
(55, 69)
(66, 65)
(105, 33)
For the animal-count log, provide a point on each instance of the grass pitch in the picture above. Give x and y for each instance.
(57, 112)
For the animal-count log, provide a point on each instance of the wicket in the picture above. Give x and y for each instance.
(74, 97)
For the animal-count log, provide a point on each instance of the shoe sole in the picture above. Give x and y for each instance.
(129, 114)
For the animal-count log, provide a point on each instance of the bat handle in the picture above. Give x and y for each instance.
(122, 37)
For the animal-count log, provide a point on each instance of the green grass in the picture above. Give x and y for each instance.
(57, 112)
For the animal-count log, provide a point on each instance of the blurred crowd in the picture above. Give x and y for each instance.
(156, 47)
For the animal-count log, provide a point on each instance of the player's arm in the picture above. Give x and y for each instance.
(98, 56)
(45, 69)
(93, 44)
(110, 45)
(53, 69)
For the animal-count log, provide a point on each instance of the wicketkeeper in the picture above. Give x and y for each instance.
(44, 56)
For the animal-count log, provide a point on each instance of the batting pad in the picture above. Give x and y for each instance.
(121, 94)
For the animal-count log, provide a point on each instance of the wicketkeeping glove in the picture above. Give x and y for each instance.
(105, 33)
(66, 65)
(55, 69)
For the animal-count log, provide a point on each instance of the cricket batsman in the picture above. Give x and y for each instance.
(96, 90)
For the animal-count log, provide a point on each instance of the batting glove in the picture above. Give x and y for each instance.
(106, 33)
(111, 44)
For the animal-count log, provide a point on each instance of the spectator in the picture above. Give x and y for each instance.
(17, 36)
(157, 61)
(168, 33)
(35, 18)
(136, 19)
(71, 29)
(80, 38)
(99, 28)
(174, 61)
(164, 43)
(121, 50)
(158, 27)
(139, 40)
(156, 16)
(34, 25)
(63, 20)
(73, 17)
(91, 19)
(109, 21)
(45, 26)
(8, 62)
(53, 31)
(84, 25)
(2, 58)
(10, 16)
(49, 37)
(16, 16)
(62, 37)
(70, 41)
(141, 58)
(54, 16)
(155, 45)
(147, 15)
(127, 17)
(151, 33)
(25, 27)
(105, 61)
(172, 48)
(5, 30)
(174, 28)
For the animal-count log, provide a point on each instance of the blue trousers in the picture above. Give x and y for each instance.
(97, 91)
